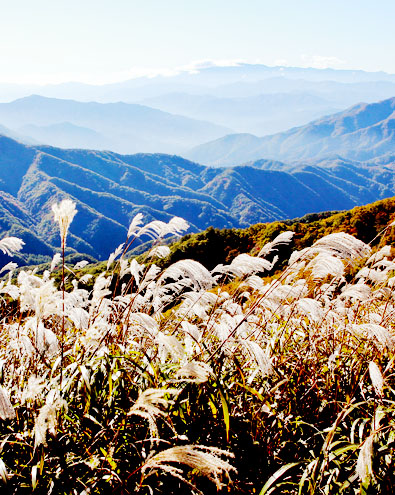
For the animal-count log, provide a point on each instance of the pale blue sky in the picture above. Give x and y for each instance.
(102, 40)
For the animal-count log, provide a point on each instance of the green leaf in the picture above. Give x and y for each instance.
(275, 477)
(225, 411)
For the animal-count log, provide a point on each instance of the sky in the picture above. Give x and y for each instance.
(100, 41)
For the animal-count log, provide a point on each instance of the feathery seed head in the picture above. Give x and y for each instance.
(159, 252)
(55, 261)
(364, 463)
(64, 213)
(377, 378)
(6, 408)
(10, 245)
(206, 460)
(134, 226)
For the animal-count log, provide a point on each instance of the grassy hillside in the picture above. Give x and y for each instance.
(163, 381)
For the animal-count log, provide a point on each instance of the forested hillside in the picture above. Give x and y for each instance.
(214, 246)
(109, 189)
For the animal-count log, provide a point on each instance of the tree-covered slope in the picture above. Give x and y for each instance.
(215, 246)
(110, 189)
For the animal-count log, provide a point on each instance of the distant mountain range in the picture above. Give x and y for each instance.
(260, 114)
(241, 98)
(231, 80)
(362, 132)
(120, 127)
(110, 189)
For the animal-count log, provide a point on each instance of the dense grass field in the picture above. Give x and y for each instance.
(190, 380)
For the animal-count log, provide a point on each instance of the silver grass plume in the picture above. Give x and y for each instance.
(282, 239)
(10, 245)
(85, 278)
(197, 303)
(142, 324)
(6, 409)
(9, 267)
(152, 404)
(135, 270)
(134, 226)
(46, 340)
(81, 264)
(207, 461)
(311, 308)
(377, 333)
(364, 467)
(33, 389)
(159, 252)
(192, 272)
(46, 420)
(357, 292)
(288, 293)
(244, 265)
(114, 255)
(123, 267)
(384, 252)
(55, 261)
(191, 330)
(3, 471)
(158, 229)
(64, 213)
(100, 288)
(339, 245)
(375, 276)
(376, 378)
(169, 345)
(195, 372)
(260, 355)
(323, 265)
(150, 276)
(254, 282)
(343, 245)
(384, 264)
(10, 289)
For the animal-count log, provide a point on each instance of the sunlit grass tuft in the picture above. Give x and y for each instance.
(187, 380)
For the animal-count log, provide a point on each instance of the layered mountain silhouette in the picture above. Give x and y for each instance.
(363, 132)
(240, 79)
(110, 189)
(258, 114)
(185, 109)
(121, 127)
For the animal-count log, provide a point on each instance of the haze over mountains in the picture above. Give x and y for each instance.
(243, 98)
(120, 126)
(260, 114)
(363, 132)
(205, 79)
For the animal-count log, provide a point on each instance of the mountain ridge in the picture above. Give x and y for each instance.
(124, 127)
(364, 131)
(110, 189)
